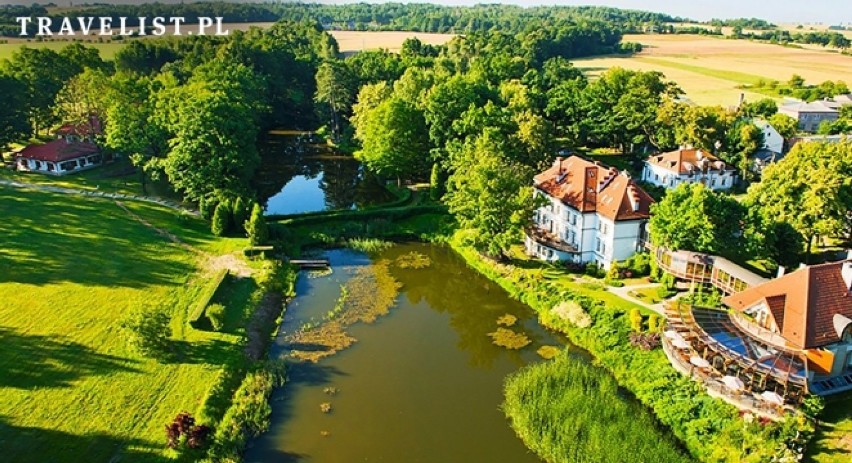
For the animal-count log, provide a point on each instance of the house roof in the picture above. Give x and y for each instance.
(85, 128)
(606, 191)
(812, 107)
(804, 303)
(686, 160)
(58, 151)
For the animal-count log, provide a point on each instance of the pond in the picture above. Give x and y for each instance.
(421, 384)
(298, 174)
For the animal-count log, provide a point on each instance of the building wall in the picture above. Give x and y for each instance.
(597, 238)
(772, 140)
(809, 121)
(714, 180)
(60, 168)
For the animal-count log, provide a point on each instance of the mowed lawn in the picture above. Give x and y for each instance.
(70, 268)
(833, 442)
(710, 69)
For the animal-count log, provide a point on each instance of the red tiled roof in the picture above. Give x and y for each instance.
(803, 303)
(684, 161)
(87, 128)
(610, 193)
(58, 151)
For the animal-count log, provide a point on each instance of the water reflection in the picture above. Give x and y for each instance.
(298, 174)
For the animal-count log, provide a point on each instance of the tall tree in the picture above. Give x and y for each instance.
(395, 140)
(489, 194)
(13, 118)
(336, 87)
(43, 72)
(695, 218)
(810, 189)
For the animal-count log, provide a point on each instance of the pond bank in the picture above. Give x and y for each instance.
(710, 429)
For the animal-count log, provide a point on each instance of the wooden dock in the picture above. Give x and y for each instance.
(311, 263)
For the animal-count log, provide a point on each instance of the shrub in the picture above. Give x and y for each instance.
(148, 332)
(240, 213)
(638, 265)
(221, 220)
(184, 430)
(645, 341)
(654, 323)
(256, 227)
(635, 320)
(573, 313)
(593, 270)
(436, 183)
(206, 207)
(216, 315)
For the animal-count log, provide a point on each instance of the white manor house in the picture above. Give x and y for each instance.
(688, 165)
(593, 213)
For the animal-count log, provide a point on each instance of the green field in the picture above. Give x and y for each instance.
(833, 442)
(71, 268)
(107, 50)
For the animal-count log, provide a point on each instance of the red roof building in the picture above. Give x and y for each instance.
(58, 157)
(593, 213)
(688, 165)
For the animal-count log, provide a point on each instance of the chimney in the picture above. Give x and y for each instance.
(846, 273)
(634, 197)
(558, 162)
(781, 271)
(742, 100)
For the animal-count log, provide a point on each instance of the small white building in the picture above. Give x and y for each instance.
(772, 140)
(593, 213)
(58, 157)
(688, 165)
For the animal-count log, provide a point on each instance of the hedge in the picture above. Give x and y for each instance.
(206, 295)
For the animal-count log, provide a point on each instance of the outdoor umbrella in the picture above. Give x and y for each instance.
(680, 344)
(772, 397)
(733, 383)
(699, 362)
(673, 335)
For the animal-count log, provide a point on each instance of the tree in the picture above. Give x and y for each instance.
(240, 213)
(765, 108)
(786, 126)
(743, 141)
(693, 217)
(370, 96)
(83, 97)
(810, 189)
(43, 72)
(336, 86)
(13, 119)
(220, 225)
(256, 226)
(395, 140)
(489, 194)
(148, 331)
(436, 183)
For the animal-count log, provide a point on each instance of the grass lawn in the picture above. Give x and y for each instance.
(647, 295)
(116, 177)
(72, 267)
(833, 442)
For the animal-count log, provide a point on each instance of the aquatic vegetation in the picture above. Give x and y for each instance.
(368, 244)
(567, 410)
(573, 313)
(507, 320)
(325, 407)
(368, 295)
(319, 273)
(413, 260)
(330, 390)
(548, 352)
(509, 339)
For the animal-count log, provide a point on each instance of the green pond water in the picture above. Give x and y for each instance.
(422, 384)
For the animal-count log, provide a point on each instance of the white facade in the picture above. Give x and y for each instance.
(713, 179)
(772, 140)
(582, 237)
(59, 168)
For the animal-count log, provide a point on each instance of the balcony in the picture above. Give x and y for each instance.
(545, 238)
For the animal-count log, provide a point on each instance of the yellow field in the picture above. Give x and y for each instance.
(354, 41)
(709, 69)
(349, 41)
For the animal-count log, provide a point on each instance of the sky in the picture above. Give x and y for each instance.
(799, 11)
